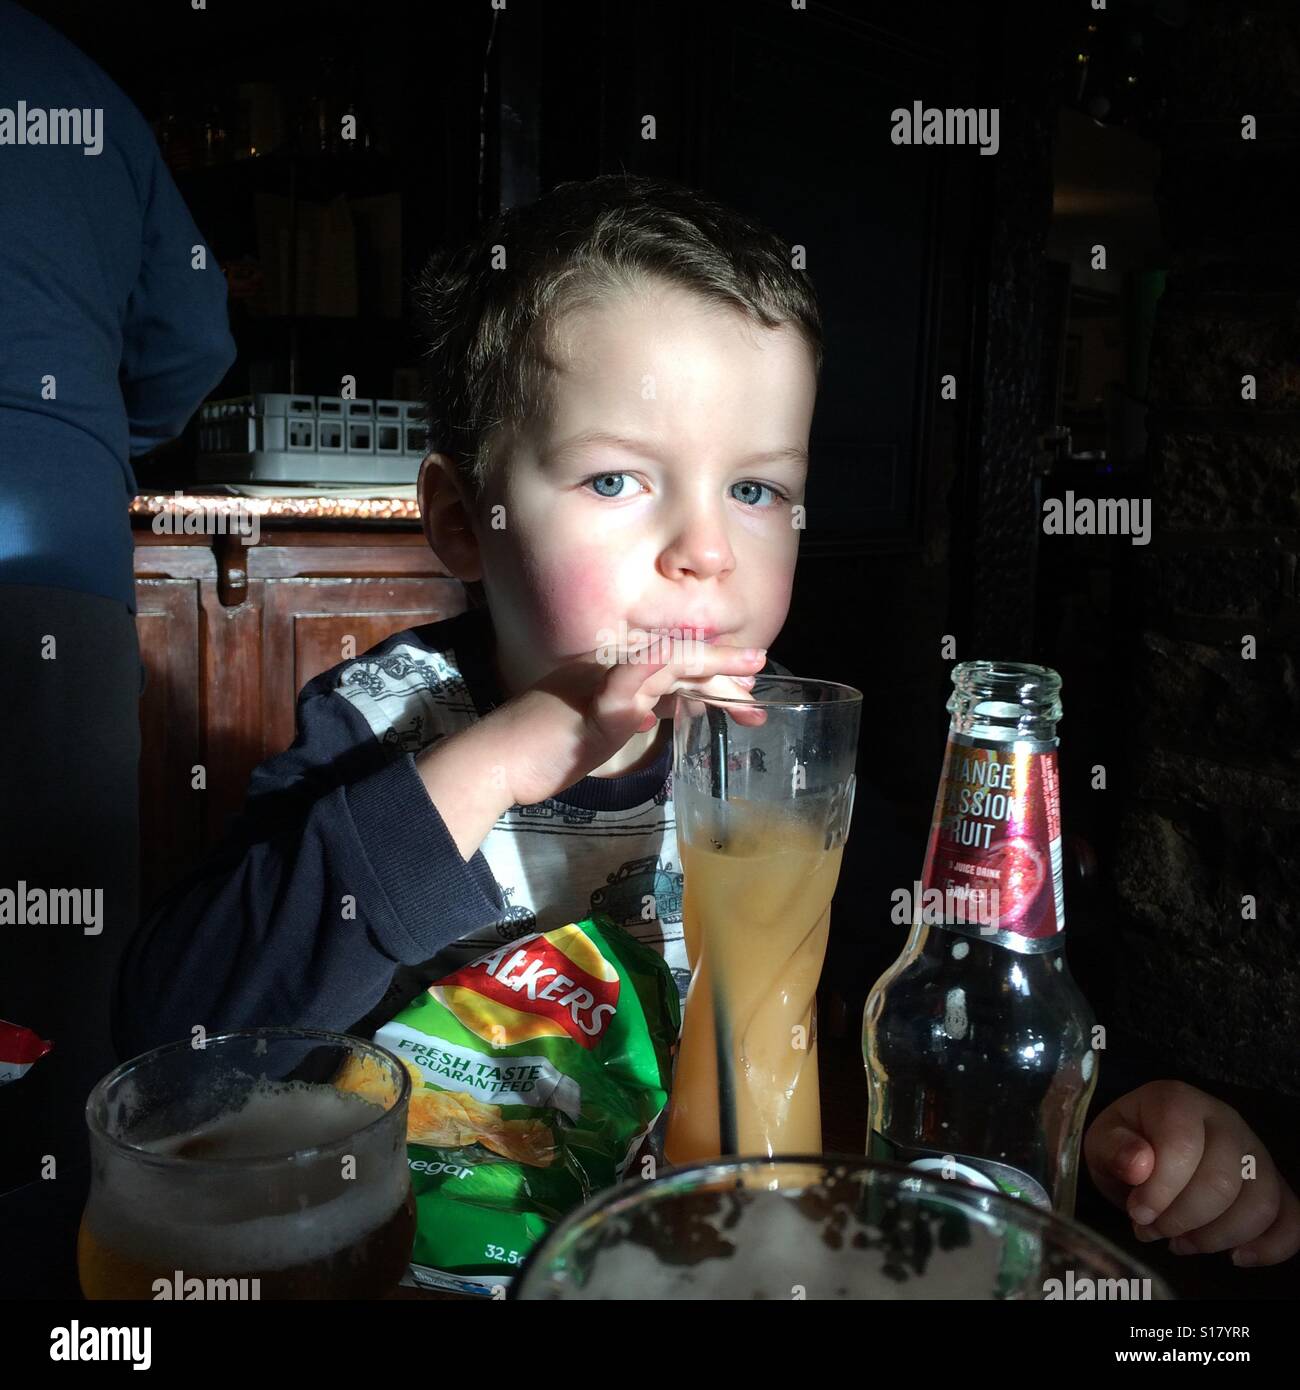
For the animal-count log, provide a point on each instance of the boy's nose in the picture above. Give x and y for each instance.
(700, 549)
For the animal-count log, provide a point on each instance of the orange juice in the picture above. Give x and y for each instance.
(756, 919)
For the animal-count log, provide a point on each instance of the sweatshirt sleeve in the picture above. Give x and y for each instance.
(176, 340)
(339, 870)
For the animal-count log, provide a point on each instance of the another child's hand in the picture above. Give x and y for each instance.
(1174, 1158)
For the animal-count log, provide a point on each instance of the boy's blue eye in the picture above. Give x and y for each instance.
(777, 496)
(600, 479)
(608, 478)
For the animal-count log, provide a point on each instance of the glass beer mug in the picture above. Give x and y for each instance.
(265, 1164)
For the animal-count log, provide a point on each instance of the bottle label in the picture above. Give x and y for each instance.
(1020, 1267)
(979, 1172)
(994, 857)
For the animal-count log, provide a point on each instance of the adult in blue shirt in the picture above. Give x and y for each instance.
(113, 328)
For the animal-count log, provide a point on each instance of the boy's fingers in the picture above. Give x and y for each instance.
(719, 687)
(709, 681)
(1131, 1158)
(1171, 1118)
(629, 681)
(1120, 1153)
(616, 699)
(1258, 1204)
(1280, 1241)
(1118, 1157)
(1215, 1186)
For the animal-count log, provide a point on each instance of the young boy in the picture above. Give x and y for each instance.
(621, 387)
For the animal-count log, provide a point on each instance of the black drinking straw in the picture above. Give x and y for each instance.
(721, 1023)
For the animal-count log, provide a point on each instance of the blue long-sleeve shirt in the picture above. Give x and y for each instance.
(110, 334)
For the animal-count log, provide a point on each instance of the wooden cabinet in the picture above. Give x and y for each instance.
(229, 635)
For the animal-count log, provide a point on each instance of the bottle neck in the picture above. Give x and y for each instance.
(1005, 700)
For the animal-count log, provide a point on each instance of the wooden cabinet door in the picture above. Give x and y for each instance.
(228, 637)
(311, 624)
(172, 809)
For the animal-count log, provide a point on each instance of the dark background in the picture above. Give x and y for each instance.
(924, 545)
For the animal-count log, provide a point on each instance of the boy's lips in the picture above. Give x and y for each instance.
(701, 632)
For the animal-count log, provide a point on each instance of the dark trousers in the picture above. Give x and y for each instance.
(70, 679)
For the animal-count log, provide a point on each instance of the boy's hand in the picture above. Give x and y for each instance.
(575, 719)
(1174, 1157)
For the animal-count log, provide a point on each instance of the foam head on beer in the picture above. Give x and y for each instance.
(620, 394)
(293, 1185)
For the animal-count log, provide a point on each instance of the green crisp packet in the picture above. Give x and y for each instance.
(538, 1070)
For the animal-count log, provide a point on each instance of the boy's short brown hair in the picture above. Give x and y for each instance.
(485, 310)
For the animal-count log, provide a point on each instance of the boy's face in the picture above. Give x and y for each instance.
(691, 529)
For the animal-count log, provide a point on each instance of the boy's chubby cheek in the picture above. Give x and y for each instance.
(575, 599)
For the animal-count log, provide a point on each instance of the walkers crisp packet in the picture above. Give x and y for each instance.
(538, 1070)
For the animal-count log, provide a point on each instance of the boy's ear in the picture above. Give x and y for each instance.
(445, 518)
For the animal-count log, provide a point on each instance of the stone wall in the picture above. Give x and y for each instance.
(1211, 816)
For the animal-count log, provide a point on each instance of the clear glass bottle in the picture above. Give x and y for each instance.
(977, 1042)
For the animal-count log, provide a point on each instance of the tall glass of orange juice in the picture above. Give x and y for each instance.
(763, 792)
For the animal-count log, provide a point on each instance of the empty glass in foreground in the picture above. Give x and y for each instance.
(825, 1228)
